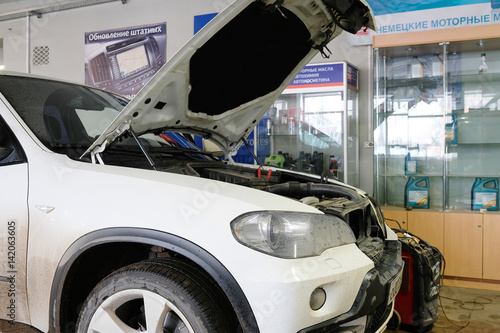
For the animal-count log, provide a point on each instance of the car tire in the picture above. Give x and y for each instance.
(167, 295)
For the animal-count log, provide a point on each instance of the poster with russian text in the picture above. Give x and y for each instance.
(124, 60)
(400, 16)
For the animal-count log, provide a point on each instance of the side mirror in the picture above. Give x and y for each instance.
(5, 152)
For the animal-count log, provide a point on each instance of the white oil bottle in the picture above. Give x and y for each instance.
(415, 68)
(436, 65)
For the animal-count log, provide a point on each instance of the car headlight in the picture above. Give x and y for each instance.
(291, 235)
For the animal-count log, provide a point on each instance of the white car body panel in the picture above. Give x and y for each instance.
(202, 201)
(13, 207)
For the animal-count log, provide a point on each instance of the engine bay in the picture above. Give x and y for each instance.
(357, 209)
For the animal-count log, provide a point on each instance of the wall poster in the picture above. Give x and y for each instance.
(124, 60)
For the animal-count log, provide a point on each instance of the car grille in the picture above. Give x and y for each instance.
(378, 318)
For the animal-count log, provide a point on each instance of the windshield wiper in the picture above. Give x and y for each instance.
(153, 152)
(181, 150)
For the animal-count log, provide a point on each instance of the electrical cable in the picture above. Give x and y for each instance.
(394, 221)
(465, 306)
(415, 242)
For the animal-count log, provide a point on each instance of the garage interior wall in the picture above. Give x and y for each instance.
(1, 53)
(62, 33)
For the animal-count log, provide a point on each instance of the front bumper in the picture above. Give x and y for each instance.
(374, 302)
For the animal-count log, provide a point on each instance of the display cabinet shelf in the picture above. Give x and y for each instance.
(434, 108)
(453, 143)
(313, 126)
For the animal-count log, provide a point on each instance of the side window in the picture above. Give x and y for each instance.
(10, 149)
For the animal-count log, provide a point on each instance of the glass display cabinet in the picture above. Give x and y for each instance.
(437, 125)
(313, 126)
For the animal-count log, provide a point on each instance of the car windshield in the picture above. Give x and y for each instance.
(61, 114)
(68, 118)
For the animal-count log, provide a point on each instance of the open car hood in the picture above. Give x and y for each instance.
(221, 83)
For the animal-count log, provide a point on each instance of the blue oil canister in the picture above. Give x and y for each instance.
(484, 194)
(417, 192)
(410, 165)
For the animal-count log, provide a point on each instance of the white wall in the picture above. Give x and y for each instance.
(1, 51)
(63, 32)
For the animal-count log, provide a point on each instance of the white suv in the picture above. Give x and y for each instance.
(113, 221)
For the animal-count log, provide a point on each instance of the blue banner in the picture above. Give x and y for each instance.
(201, 20)
(352, 76)
(407, 16)
(380, 7)
(314, 76)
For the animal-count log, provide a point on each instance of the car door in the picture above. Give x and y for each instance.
(13, 226)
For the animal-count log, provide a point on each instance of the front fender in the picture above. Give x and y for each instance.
(151, 237)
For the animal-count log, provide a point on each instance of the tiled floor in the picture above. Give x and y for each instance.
(467, 311)
(461, 311)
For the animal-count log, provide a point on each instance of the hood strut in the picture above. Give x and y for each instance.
(251, 151)
(143, 149)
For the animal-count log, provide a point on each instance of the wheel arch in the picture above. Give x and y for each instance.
(137, 243)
